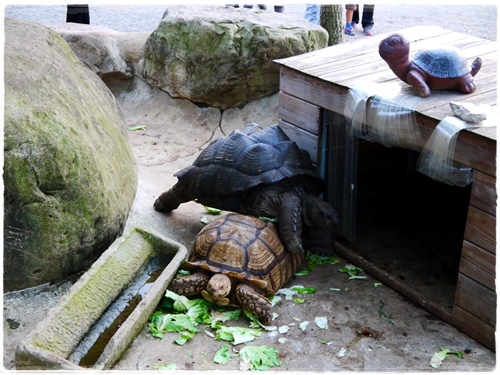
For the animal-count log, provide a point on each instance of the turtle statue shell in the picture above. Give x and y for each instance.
(246, 249)
(442, 62)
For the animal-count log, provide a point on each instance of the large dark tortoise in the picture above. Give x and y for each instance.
(260, 172)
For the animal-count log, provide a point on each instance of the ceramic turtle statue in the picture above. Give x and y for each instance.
(437, 69)
(238, 260)
(260, 172)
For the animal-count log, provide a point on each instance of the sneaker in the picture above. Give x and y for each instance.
(348, 30)
(354, 24)
(367, 31)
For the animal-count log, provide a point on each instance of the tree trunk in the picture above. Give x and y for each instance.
(331, 21)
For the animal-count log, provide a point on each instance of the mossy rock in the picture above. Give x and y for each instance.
(69, 171)
(223, 56)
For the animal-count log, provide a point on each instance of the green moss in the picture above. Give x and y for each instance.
(69, 171)
(90, 300)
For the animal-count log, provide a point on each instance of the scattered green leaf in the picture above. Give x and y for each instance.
(377, 284)
(260, 357)
(237, 335)
(303, 290)
(302, 273)
(303, 325)
(223, 355)
(438, 357)
(321, 322)
(274, 300)
(269, 219)
(135, 128)
(288, 292)
(334, 289)
(314, 259)
(283, 329)
(162, 323)
(254, 322)
(352, 271)
(218, 317)
(212, 211)
(342, 352)
(185, 336)
(299, 301)
(182, 272)
(166, 367)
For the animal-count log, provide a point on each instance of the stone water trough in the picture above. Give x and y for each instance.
(102, 313)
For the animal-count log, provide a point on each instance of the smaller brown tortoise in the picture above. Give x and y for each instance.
(238, 260)
(438, 68)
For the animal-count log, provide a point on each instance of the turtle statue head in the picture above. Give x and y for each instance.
(442, 68)
(393, 48)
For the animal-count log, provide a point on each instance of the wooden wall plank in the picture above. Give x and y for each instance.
(481, 229)
(474, 327)
(484, 193)
(300, 113)
(476, 299)
(305, 140)
(478, 264)
(313, 90)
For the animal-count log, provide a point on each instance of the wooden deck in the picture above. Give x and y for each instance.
(313, 94)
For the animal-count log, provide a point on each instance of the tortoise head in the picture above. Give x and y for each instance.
(323, 214)
(394, 47)
(218, 289)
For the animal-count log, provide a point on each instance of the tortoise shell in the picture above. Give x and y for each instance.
(230, 166)
(245, 248)
(442, 62)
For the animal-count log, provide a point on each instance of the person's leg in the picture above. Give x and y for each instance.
(349, 9)
(279, 8)
(355, 17)
(367, 19)
(78, 14)
(312, 13)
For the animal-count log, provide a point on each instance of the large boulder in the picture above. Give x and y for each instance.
(69, 172)
(223, 56)
(111, 54)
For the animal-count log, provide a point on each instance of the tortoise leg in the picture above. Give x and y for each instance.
(320, 225)
(251, 300)
(290, 222)
(321, 240)
(475, 66)
(416, 81)
(171, 199)
(190, 285)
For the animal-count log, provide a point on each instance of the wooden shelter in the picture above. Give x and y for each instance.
(395, 221)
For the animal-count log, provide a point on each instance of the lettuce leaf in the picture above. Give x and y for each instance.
(260, 357)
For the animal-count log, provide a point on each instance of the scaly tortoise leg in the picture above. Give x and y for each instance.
(173, 198)
(290, 222)
(189, 285)
(251, 300)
